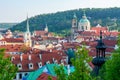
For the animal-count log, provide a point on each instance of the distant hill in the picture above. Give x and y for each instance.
(57, 22)
(6, 25)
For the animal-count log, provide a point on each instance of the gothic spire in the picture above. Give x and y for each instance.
(27, 24)
(46, 28)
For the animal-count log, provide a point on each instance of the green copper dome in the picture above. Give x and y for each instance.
(84, 21)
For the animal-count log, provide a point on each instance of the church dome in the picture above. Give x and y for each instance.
(84, 23)
(84, 20)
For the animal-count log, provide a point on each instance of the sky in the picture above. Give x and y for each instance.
(16, 10)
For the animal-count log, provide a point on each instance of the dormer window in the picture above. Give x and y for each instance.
(19, 66)
(29, 57)
(48, 62)
(62, 63)
(30, 65)
(12, 58)
(56, 61)
(40, 64)
(53, 59)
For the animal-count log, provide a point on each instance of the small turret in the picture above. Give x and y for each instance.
(46, 28)
(74, 27)
(99, 60)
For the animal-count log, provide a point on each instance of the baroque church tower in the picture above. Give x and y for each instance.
(74, 26)
(84, 23)
(27, 35)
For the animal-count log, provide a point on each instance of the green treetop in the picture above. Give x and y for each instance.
(80, 63)
(82, 68)
(7, 69)
(111, 69)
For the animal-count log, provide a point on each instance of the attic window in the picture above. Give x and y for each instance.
(12, 58)
(56, 61)
(26, 74)
(62, 63)
(48, 62)
(30, 65)
(20, 76)
(19, 66)
(40, 64)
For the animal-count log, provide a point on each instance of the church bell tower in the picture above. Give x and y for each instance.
(27, 35)
(74, 26)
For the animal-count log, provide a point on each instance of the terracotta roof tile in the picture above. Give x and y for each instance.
(44, 76)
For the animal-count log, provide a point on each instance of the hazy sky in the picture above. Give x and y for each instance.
(16, 10)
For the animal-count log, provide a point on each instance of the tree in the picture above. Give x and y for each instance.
(60, 72)
(111, 69)
(80, 63)
(7, 69)
(70, 53)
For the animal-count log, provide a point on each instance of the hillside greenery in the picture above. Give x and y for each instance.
(7, 25)
(59, 22)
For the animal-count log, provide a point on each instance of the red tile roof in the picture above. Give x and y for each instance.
(14, 40)
(35, 59)
(40, 33)
(44, 76)
(12, 48)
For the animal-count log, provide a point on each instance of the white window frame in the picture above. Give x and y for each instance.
(30, 65)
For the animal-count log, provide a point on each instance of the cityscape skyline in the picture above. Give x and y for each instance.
(16, 11)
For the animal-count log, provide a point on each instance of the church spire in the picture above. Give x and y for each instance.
(27, 35)
(46, 28)
(27, 24)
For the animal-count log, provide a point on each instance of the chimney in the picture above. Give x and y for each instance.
(53, 59)
(50, 50)
(29, 57)
(40, 55)
(21, 57)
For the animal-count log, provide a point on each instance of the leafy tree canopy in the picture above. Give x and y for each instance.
(82, 68)
(111, 69)
(7, 69)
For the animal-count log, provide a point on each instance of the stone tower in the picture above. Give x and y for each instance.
(27, 35)
(99, 60)
(74, 26)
